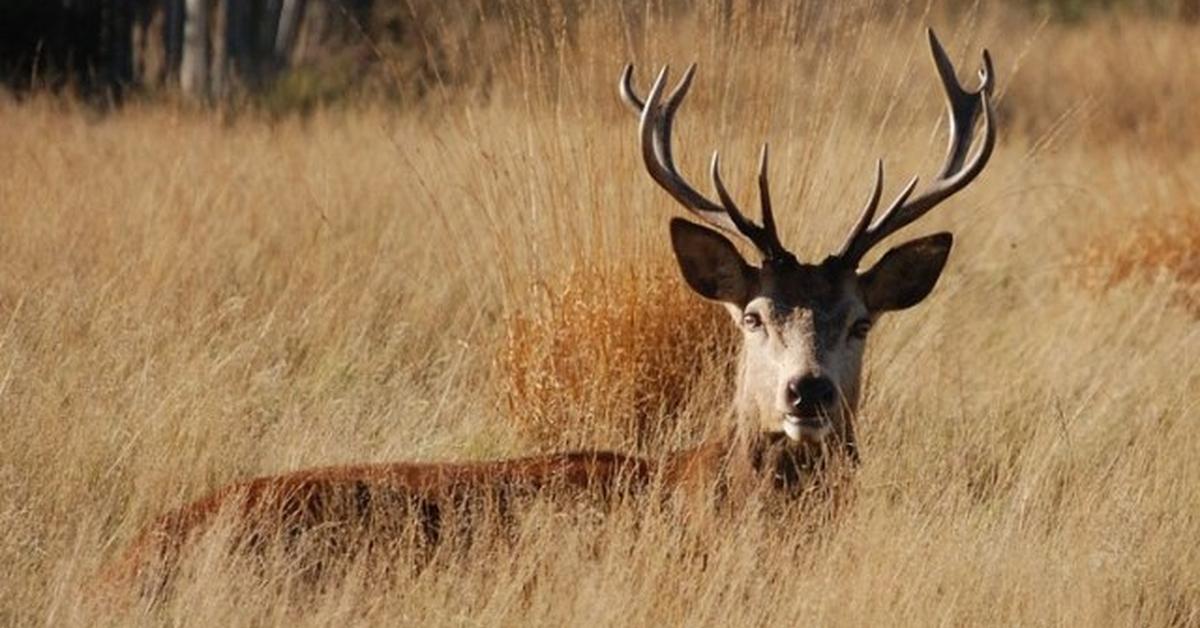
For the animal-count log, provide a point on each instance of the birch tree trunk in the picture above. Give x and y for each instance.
(193, 71)
(290, 15)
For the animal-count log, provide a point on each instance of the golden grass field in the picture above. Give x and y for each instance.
(193, 297)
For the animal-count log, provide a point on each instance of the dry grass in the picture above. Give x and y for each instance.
(610, 357)
(1162, 247)
(187, 300)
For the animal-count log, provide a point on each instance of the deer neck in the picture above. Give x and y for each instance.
(742, 462)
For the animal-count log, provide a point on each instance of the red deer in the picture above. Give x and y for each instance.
(804, 329)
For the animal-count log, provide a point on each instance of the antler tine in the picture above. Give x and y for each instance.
(656, 153)
(963, 108)
(662, 136)
(625, 85)
(657, 121)
(764, 237)
(904, 211)
(868, 213)
(626, 88)
(739, 219)
(764, 197)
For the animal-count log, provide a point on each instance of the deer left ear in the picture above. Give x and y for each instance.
(906, 274)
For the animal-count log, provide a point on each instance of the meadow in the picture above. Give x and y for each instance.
(193, 296)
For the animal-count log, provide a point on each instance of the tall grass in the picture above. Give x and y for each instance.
(1161, 247)
(191, 298)
(611, 358)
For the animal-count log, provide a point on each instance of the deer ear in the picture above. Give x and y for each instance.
(906, 274)
(711, 264)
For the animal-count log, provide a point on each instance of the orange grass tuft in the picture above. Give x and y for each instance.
(602, 355)
(1163, 246)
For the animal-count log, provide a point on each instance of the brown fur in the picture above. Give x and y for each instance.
(355, 505)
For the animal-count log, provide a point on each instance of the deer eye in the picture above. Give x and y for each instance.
(860, 328)
(752, 321)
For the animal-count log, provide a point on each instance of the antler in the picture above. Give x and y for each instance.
(963, 108)
(655, 131)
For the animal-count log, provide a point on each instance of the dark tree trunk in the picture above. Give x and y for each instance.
(219, 65)
(238, 40)
(1189, 11)
(115, 58)
(268, 26)
(172, 38)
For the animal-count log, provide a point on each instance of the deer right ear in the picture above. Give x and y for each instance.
(711, 264)
(906, 274)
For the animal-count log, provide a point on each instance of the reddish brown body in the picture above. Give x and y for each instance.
(351, 505)
(354, 507)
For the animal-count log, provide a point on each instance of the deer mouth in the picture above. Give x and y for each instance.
(811, 427)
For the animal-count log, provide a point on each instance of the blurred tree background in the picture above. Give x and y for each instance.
(204, 49)
(295, 54)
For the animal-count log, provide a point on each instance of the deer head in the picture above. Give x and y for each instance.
(804, 325)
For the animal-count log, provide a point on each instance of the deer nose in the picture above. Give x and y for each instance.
(809, 394)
